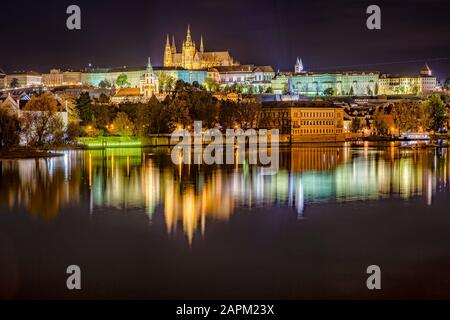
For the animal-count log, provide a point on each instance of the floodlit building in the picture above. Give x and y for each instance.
(393, 84)
(23, 79)
(258, 78)
(2, 79)
(190, 58)
(333, 83)
(148, 86)
(304, 121)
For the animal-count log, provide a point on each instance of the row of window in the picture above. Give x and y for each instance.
(283, 114)
(313, 131)
(317, 123)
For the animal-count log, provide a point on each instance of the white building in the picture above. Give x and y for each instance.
(245, 74)
(24, 79)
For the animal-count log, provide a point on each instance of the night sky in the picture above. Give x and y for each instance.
(325, 34)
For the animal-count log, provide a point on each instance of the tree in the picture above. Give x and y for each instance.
(122, 80)
(9, 129)
(328, 92)
(84, 108)
(122, 125)
(382, 122)
(14, 83)
(405, 115)
(104, 84)
(103, 98)
(73, 131)
(71, 107)
(166, 81)
(158, 116)
(356, 124)
(211, 84)
(269, 90)
(178, 114)
(351, 92)
(41, 123)
(142, 118)
(438, 112)
(227, 114)
(247, 113)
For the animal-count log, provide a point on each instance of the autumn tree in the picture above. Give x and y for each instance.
(382, 122)
(41, 122)
(9, 129)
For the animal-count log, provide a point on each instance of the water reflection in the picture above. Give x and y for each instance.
(187, 196)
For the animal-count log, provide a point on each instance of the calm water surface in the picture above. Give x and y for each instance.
(141, 227)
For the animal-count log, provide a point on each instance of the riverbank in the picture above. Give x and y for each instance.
(27, 153)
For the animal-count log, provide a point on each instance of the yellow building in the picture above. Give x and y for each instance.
(190, 58)
(389, 84)
(304, 121)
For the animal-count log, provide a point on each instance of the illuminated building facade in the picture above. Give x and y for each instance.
(2, 79)
(135, 75)
(148, 86)
(190, 58)
(24, 79)
(407, 84)
(57, 78)
(304, 121)
(333, 83)
(246, 75)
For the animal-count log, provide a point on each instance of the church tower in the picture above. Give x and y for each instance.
(298, 66)
(202, 49)
(188, 51)
(174, 48)
(426, 71)
(149, 84)
(167, 54)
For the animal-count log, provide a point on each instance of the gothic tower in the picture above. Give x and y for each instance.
(188, 51)
(298, 66)
(202, 49)
(167, 54)
(174, 48)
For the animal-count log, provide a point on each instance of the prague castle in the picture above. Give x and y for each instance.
(190, 58)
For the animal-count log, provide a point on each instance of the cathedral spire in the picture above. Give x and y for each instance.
(149, 64)
(298, 65)
(188, 36)
(201, 44)
(167, 41)
(174, 48)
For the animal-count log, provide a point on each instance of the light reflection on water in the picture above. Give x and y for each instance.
(189, 195)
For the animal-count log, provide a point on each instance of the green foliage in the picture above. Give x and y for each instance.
(211, 85)
(328, 92)
(438, 112)
(122, 81)
(166, 82)
(105, 84)
(122, 125)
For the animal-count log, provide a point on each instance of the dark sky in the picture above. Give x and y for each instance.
(325, 34)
